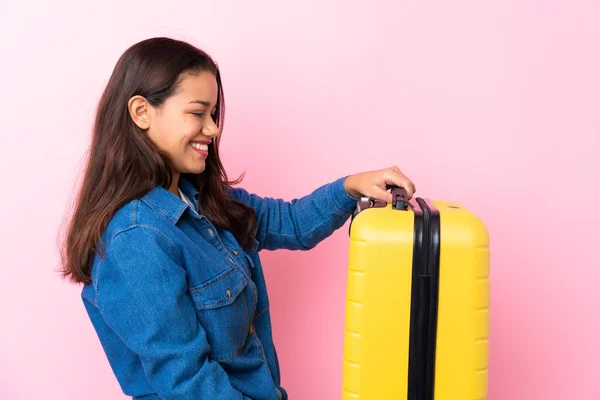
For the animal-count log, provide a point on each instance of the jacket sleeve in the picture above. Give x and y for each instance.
(142, 295)
(299, 224)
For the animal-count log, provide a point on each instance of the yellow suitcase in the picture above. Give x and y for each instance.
(417, 302)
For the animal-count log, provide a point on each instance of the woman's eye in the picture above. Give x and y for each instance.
(202, 115)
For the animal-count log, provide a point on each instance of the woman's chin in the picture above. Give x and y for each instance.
(196, 169)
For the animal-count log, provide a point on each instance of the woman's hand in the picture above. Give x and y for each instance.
(374, 184)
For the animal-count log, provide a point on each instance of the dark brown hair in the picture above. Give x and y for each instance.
(124, 164)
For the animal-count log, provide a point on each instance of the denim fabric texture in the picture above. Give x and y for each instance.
(181, 310)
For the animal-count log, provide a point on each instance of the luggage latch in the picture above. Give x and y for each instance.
(399, 198)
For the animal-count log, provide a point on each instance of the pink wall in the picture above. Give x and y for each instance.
(507, 91)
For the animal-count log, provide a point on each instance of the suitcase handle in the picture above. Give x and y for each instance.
(399, 202)
(399, 198)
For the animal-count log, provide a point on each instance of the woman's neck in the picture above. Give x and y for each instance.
(175, 184)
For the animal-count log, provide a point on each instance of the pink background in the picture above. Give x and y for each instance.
(508, 92)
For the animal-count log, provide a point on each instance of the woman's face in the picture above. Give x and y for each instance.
(183, 126)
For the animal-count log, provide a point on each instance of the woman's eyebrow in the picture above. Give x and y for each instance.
(203, 102)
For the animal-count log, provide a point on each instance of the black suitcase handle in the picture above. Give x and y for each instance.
(399, 198)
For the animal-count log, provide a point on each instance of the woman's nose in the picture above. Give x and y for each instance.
(210, 128)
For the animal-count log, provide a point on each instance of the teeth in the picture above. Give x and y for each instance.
(199, 146)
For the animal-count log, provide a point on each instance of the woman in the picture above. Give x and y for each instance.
(167, 249)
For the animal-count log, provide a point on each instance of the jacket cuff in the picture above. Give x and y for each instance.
(340, 199)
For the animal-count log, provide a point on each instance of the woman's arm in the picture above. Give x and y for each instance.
(301, 224)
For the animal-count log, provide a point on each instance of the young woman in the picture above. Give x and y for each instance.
(167, 249)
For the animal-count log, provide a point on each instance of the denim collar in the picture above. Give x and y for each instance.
(170, 205)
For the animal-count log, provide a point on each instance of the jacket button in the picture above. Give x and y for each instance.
(235, 252)
(228, 293)
(210, 232)
(251, 329)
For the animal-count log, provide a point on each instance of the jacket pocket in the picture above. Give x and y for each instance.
(222, 308)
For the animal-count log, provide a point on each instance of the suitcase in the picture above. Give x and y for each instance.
(417, 302)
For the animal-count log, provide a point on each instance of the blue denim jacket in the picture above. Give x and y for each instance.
(181, 310)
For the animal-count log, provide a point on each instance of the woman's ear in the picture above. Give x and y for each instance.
(139, 110)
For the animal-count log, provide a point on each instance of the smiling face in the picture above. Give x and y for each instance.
(184, 125)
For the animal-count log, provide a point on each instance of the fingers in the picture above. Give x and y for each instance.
(397, 178)
(381, 194)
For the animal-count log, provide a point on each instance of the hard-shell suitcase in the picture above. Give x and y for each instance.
(417, 302)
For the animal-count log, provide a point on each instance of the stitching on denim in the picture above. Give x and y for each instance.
(171, 246)
(237, 352)
(229, 300)
(231, 357)
(160, 211)
(179, 212)
(336, 210)
(261, 313)
(240, 347)
(157, 209)
(156, 231)
(148, 227)
(199, 287)
(299, 234)
(166, 239)
(217, 303)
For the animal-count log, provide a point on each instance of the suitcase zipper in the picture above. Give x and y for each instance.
(425, 269)
(424, 302)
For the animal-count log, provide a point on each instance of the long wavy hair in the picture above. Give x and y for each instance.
(124, 164)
